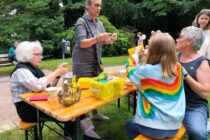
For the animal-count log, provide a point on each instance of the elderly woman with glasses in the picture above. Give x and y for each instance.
(28, 77)
(196, 83)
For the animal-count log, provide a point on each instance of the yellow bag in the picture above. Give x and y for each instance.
(131, 51)
(106, 89)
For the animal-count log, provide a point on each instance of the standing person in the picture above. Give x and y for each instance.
(141, 37)
(202, 21)
(11, 53)
(161, 100)
(28, 77)
(90, 38)
(196, 83)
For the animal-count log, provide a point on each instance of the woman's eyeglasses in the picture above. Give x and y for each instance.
(38, 54)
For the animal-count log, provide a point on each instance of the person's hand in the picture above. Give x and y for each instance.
(62, 69)
(184, 71)
(113, 37)
(104, 36)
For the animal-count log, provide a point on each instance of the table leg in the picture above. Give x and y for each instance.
(134, 102)
(39, 126)
(79, 135)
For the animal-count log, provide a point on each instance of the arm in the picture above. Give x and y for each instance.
(28, 80)
(131, 70)
(82, 34)
(104, 37)
(202, 85)
(54, 76)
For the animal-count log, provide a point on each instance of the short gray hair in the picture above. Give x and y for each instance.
(194, 33)
(88, 2)
(25, 50)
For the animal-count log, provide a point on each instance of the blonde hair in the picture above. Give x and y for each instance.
(162, 51)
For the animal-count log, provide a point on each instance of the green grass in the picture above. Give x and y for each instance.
(53, 63)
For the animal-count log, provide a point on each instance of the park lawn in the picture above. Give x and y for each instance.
(51, 64)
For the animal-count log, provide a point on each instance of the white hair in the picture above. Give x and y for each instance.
(25, 50)
(196, 34)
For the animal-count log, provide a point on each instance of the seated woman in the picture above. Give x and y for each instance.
(161, 100)
(196, 83)
(28, 77)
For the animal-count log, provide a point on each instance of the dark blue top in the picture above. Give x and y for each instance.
(192, 99)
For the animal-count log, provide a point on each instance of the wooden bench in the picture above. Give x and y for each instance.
(4, 60)
(27, 127)
(178, 135)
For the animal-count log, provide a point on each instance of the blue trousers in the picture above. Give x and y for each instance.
(133, 130)
(195, 122)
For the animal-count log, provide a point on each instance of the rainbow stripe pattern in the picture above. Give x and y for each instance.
(130, 66)
(159, 89)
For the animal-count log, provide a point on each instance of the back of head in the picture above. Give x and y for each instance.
(162, 51)
(195, 34)
(25, 50)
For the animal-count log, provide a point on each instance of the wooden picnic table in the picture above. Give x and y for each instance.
(62, 113)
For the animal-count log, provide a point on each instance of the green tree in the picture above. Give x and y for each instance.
(34, 20)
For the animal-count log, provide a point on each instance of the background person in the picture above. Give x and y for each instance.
(90, 38)
(202, 20)
(28, 77)
(141, 37)
(196, 83)
(11, 53)
(161, 100)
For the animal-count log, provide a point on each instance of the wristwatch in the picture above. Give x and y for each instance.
(185, 75)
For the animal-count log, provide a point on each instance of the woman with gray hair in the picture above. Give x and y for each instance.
(196, 82)
(86, 55)
(28, 77)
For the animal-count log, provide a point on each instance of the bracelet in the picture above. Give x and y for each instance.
(185, 75)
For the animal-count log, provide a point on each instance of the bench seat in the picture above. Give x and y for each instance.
(27, 127)
(178, 135)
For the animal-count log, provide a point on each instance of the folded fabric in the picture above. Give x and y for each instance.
(39, 97)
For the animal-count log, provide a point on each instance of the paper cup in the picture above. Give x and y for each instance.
(52, 93)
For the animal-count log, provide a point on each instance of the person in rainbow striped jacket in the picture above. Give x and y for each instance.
(161, 97)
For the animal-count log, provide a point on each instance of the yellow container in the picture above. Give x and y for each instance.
(104, 89)
(84, 82)
(131, 51)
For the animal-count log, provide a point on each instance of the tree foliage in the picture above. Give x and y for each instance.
(34, 20)
(46, 21)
